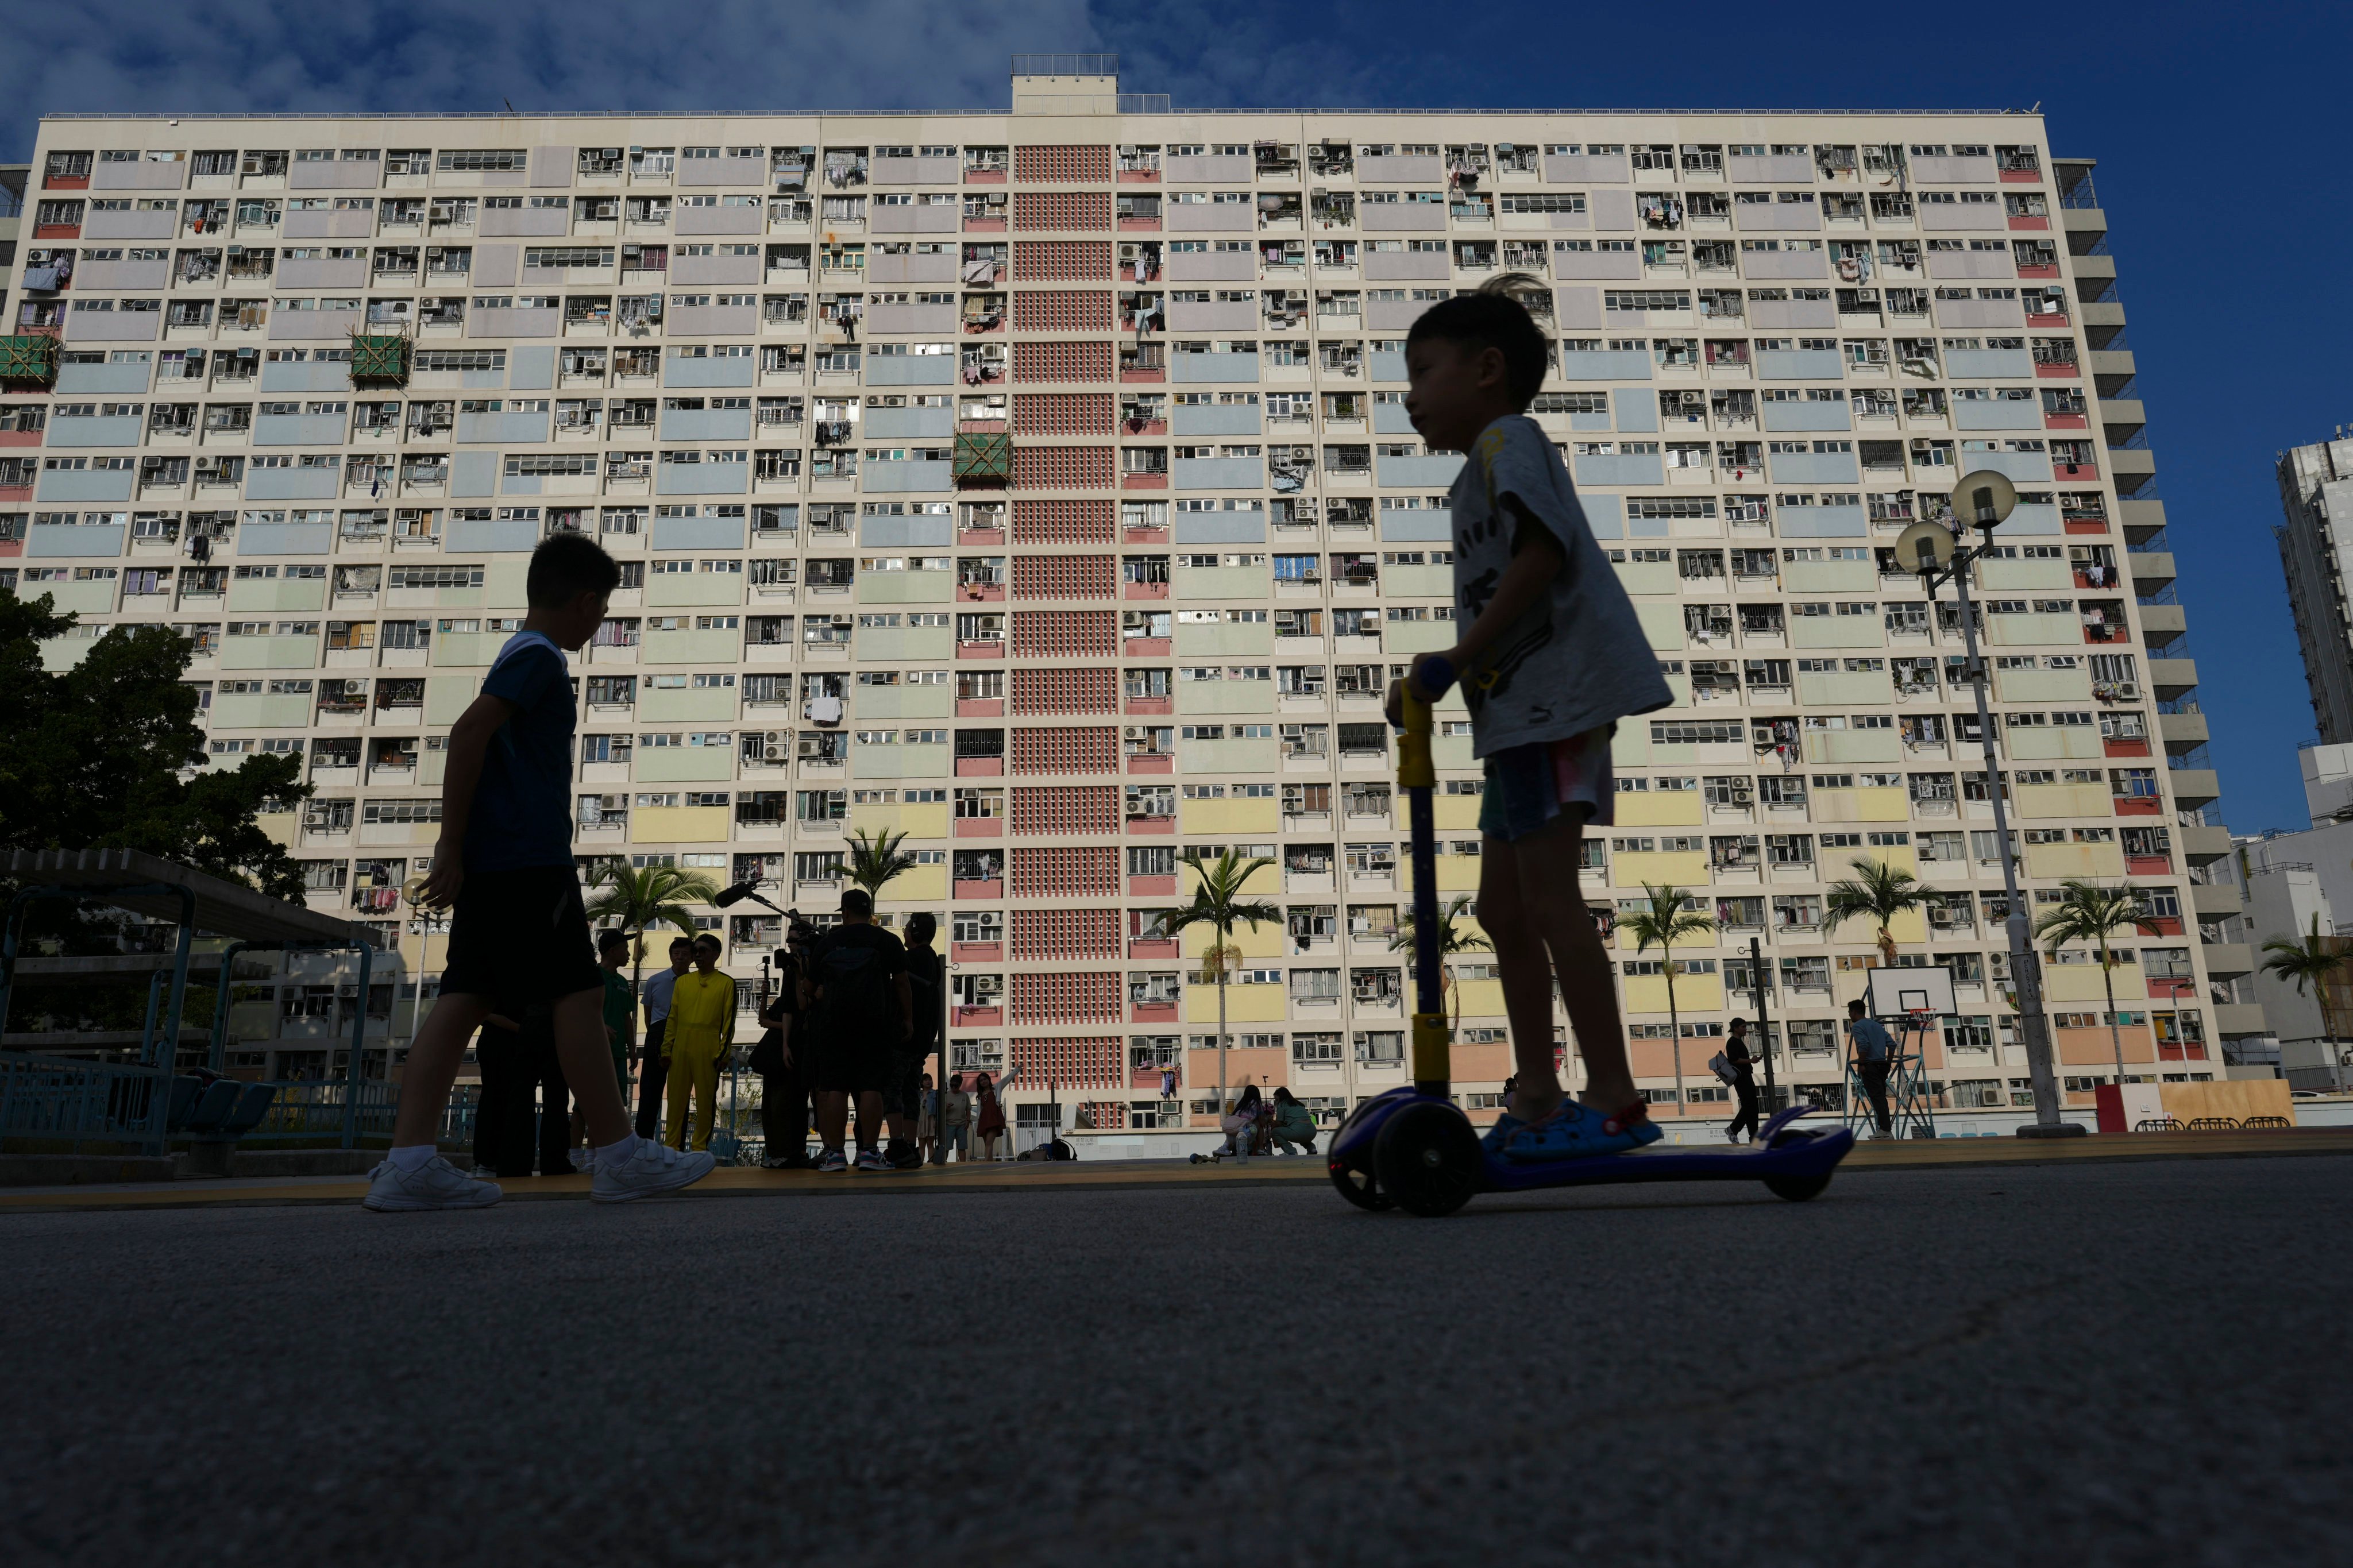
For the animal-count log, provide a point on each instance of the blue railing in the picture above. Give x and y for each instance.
(55, 1100)
(311, 1112)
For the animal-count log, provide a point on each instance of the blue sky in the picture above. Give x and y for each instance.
(2229, 116)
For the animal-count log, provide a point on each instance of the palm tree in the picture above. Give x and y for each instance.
(2309, 962)
(1452, 938)
(647, 896)
(1880, 894)
(2089, 912)
(1665, 920)
(1218, 903)
(874, 861)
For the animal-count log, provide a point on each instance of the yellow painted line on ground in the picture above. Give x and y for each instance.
(1083, 1176)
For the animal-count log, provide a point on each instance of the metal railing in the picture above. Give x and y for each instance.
(55, 1100)
(312, 1111)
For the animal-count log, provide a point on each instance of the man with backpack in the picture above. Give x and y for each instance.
(860, 1017)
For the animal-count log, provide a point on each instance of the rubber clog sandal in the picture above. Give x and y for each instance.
(1576, 1132)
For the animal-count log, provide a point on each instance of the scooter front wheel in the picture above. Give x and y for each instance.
(1427, 1159)
(1358, 1185)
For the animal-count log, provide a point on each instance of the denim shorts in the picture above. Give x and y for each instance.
(1529, 786)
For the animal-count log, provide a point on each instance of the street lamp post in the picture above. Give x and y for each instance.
(1985, 499)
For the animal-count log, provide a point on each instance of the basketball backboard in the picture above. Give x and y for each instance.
(1896, 992)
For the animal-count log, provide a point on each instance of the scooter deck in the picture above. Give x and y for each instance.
(1798, 1160)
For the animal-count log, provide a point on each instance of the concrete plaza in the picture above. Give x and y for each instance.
(1982, 1363)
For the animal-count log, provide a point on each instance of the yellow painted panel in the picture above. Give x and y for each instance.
(679, 824)
(1881, 804)
(279, 825)
(1480, 998)
(1456, 874)
(918, 885)
(684, 764)
(1684, 868)
(1264, 885)
(1266, 942)
(1244, 1005)
(2049, 742)
(922, 819)
(1455, 811)
(2081, 982)
(1210, 819)
(2056, 860)
(1670, 808)
(1661, 623)
(1693, 994)
(2063, 800)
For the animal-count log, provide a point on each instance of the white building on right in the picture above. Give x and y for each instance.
(2292, 879)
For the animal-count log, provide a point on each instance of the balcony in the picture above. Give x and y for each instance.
(2194, 788)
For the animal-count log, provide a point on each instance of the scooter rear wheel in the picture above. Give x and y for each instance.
(1358, 1185)
(1796, 1189)
(1427, 1159)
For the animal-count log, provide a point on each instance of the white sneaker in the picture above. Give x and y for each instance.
(436, 1185)
(654, 1167)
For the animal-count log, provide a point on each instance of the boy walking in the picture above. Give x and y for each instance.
(702, 1030)
(517, 932)
(1551, 658)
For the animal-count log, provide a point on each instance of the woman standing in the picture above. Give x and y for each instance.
(927, 1122)
(991, 1124)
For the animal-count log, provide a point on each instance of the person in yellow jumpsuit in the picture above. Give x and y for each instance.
(702, 1028)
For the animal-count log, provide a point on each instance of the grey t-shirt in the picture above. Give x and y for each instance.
(1577, 660)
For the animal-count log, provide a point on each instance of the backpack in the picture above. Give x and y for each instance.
(1721, 1066)
(857, 1003)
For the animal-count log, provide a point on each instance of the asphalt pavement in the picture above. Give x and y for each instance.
(2087, 1364)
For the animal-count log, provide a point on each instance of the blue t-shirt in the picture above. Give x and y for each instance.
(1871, 1039)
(522, 813)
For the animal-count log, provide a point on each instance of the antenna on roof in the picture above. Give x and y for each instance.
(2037, 108)
(510, 103)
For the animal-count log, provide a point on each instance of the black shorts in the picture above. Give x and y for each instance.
(836, 1064)
(520, 937)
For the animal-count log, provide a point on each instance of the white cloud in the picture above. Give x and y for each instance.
(433, 56)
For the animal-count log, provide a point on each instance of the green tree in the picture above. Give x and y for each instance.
(2089, 912)
(1218, 903)
(1662, 922)
(2312, 961)
(110, 752)
(875, 862)
(1878, 894)
(1453, 937)
(637, 898)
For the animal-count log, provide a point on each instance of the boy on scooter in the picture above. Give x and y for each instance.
(1550, 657)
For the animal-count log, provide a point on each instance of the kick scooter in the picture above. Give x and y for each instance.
(1411, 1148)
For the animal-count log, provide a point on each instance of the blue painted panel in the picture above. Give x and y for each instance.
(1814, 468)
(95, 539)
(910, 370)
(1434, 471)
(1821, 523)
(698, 533)
(1799, 364)
(1638, 408)
(1621, 468)
(901, 423)
(916, 531)
(1605, 364)
(490, 534)
(285, 538)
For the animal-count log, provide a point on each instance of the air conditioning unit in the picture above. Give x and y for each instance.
(775, 745)
(2127, 690)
